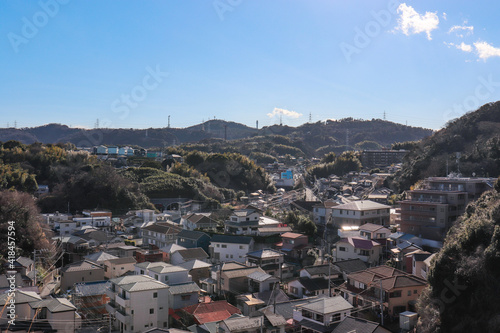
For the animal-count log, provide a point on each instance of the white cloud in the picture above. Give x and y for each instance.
(445, 16)
(278, 111)
(460, 29)
(411, 22)
(462, 46)
(485, 50)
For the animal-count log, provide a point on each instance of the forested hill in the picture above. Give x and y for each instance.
(312, 138)
(475, 136)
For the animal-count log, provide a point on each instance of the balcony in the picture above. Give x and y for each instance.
(122, 317)
(111, 307)
(122, 301)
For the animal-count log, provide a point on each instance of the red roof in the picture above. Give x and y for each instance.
(214, 311)
(292, 235)
(360, 243)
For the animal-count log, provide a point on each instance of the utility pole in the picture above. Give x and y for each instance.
(168, 121)
(381, 305)
(34, 265)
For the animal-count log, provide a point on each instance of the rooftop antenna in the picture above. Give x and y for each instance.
(310, 117)
(384, 116)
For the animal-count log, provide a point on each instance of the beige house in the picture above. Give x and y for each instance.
(60, 313)
(358, 248)
(22, 304)
(357, 213)
(117, 267)
(83, 271)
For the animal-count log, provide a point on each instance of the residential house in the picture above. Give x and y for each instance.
(160, 234)
(138, 302)
(350, 266)
(269, 260)
(83, 271)
(323, 211)
(163, 272)
(303, 287)
(357, 324)
(261, 281)
(359, 248)
(66, 228)
(192, 239)
(99, 257)
(230, 248)
(152, 254)
(426, 267)
(234, 278)
(361, 212)
(198, 269)
(22, 304)
(171, 249)
(114, 268)
(199, 221)
(59, 313)
(294, 245)
(203, 313)
(398, 253)
(415, 262)
(324, 271)
(268, 322)
(321, 314)
(183, 294)
(268, 231)
(182, 256)
(374, 232)
(399, 289)
(23, 265)
(248, 222)
(90, 299)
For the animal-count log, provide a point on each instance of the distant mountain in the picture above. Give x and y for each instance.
(312, 138)
(474, 138)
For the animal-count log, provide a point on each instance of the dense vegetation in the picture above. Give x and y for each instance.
(465, 275)
(332, 165)
(476, 136)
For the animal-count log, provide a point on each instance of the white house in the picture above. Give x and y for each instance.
(230, 248)
(374, 231)
(318, 314)
(60, 313)
(138, 302)
(323, 211)
(163, 272)
(361, 212)
(183, 294)
(359, 248)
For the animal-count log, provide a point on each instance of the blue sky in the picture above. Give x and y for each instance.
(134, 63)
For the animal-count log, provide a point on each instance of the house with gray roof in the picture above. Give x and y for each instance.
(322, 314)
(182, 256)
(22, 301)
(138, 303)
(359, 325)
(60, 313)
(99, 257)
(198, 269)
(82, 271)
(193, 239)
(261, 281)
(161, 271)
(269, 260)
(183, 294)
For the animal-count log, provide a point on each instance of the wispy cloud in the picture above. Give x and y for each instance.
(287, 113)
(445, 16)
(462, 46)
(485, 50)
(411, 22)
(461, 30)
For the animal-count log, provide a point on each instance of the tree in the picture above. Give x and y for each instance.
(21, 209)
(328, 158)
(306, 226)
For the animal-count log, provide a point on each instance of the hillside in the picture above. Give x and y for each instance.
(465, 275)
(312, 139)
(475, 135)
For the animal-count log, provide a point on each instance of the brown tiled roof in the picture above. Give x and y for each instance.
(292, 235)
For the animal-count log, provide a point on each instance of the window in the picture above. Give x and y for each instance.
(155, 295)
(224, 246)
(151, 311)
(343, 249)
(241, 247)
(231, 256)
(186, 297)
(336, 317)
(218, 245)
(156, 276)
(409, 292)
(395, 294)
(415, 291)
